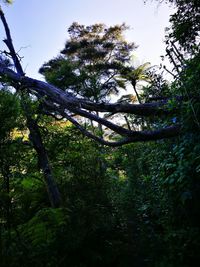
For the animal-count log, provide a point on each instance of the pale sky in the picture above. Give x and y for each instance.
(39, 27)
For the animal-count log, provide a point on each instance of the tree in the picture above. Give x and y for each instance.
(35, 136)
(91, 62)
(136, 74)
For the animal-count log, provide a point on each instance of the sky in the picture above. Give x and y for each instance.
(39, 27)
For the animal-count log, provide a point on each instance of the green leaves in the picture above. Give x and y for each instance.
(91, 61)
(9, 113)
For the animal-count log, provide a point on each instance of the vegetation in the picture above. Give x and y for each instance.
(70, 200)
(92, 61)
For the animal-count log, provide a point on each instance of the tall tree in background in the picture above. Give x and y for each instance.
(91, 62)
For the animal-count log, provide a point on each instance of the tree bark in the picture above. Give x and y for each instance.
(35, 136)
(43, 163)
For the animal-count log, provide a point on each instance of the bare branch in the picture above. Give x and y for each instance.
(75, 105)
(62, 98)
(9, 44)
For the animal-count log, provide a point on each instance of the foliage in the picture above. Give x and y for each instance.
(91, 61)
(137, 205)
(186, 25)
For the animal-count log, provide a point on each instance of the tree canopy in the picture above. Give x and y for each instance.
(112, 199)
(91, 62)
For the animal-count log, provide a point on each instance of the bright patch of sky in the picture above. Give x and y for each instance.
(39, 27)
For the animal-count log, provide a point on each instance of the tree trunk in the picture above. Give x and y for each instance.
(135, 90)
(43, 163)
(54, 195)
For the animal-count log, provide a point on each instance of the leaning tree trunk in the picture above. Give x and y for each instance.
(43, 162)
(35, 136)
